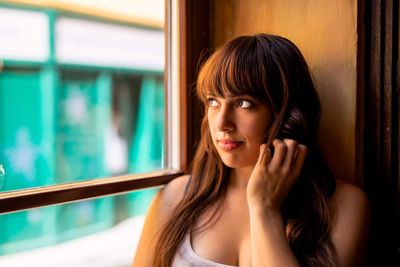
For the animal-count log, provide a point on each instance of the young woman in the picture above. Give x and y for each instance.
(259, 193)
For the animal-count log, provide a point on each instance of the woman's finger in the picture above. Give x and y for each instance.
(265, 155)
(299, 160)
(290, 154)
(279, 154)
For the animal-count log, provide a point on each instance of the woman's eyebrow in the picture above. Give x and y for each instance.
(248, 97)
(234, 97)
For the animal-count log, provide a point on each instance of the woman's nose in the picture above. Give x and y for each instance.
(224, 120)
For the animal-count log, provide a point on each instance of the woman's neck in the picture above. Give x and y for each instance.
(240, 177)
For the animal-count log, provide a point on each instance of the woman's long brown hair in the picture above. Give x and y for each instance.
(272, 69)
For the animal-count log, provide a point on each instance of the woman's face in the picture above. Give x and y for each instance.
(238, 126)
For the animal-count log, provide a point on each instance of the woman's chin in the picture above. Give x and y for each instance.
(236, 163)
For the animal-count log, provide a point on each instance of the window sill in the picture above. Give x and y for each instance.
(58, 194)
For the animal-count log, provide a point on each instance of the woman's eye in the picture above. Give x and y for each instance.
(242, 103)
(212, 102)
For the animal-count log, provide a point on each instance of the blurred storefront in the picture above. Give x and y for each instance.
(81, 97)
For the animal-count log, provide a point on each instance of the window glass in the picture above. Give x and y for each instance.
(81, 93)
(98, 232)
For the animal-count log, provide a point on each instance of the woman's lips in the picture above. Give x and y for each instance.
(229, 145)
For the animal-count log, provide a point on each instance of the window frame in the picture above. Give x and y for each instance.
(180, 71)
(19, 200)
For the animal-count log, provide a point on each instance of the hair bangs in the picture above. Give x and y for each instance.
(234, 70)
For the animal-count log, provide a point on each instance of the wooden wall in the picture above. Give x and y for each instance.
(326, 33)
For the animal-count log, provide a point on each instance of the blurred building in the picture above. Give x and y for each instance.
(81, 97)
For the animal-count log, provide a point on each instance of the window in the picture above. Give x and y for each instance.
(82, 116)
(81, 98)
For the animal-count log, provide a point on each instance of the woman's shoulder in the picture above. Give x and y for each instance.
(349, 205)
(350, 216)
(160, 210)
(348, 194)
(170, 195)
(348, 200)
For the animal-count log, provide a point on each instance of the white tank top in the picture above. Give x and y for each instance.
(186, 257)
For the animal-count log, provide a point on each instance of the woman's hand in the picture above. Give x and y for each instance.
(273, 177)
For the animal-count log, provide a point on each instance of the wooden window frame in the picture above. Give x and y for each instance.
(19, 200)
(190, 13)
(193, 25)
